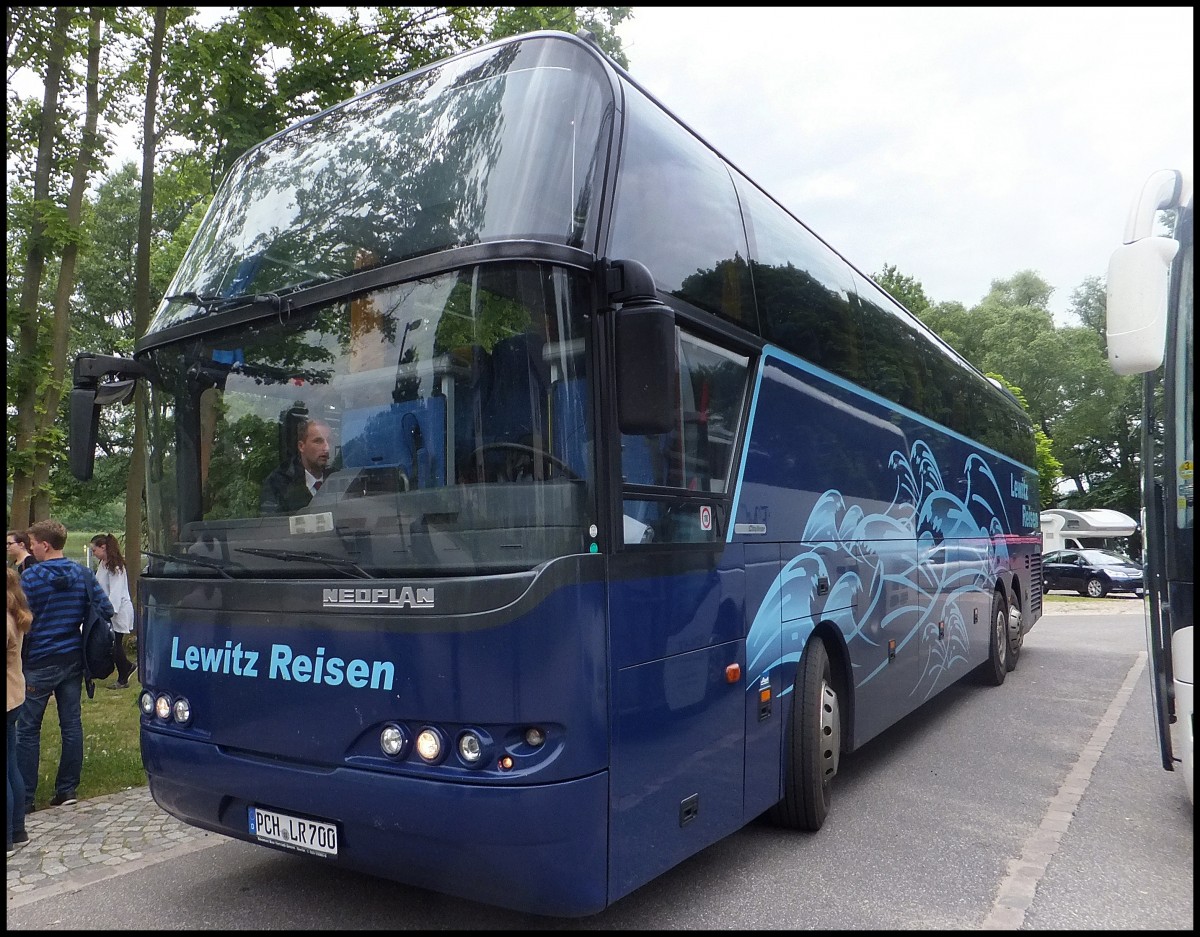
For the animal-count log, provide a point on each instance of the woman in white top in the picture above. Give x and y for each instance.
(115, 582)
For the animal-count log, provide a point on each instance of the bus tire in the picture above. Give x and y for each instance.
(993, 670)
(814, 744)
(1016, 638)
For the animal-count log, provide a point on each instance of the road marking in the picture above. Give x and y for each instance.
(1019, 885)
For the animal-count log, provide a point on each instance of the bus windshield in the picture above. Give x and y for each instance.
(505, 143)
(434, 426)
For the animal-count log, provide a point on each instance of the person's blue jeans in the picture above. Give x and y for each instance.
(65, 683)
(16, 784)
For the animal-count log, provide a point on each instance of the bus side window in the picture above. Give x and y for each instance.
(695, 458)
(712, 393)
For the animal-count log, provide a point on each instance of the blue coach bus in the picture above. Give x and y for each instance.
(639, 505)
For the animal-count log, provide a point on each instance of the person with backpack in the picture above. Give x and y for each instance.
(58, 590)
(114, 580)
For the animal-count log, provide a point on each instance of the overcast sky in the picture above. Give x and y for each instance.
(962, 145)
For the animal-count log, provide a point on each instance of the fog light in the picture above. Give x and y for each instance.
(162, 706)
(470, 748)
(181, 709)
(535, 737)
(429, 744)
(146, 703)
(392, 740)
(505, 763)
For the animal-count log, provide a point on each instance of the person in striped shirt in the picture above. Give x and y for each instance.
(56, 589)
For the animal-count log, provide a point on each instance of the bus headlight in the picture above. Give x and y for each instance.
(181, 710)
(430, 745)
(470, 748)
(146, 703)
(162, 706)
(393, 740)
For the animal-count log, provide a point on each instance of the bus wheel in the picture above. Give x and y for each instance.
(993, 670)
(814, 744)
(1015, 637)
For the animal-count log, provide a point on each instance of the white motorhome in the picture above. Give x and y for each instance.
(1064, 529)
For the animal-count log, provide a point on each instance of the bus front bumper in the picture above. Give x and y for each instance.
(541, 849)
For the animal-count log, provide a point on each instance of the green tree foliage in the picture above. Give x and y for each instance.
(1088, 417)
(1089, 302)
(1049, 469)
(50, 204)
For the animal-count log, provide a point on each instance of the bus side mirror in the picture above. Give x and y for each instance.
(1139, 277)
(88, 395)
(85, 420)
(647, 356)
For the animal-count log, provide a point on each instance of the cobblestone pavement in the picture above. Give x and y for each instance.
(70, 847)
(73, 846)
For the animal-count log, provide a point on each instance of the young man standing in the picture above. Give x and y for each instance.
(57, 589)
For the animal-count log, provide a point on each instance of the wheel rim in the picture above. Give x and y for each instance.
(1015, 637)
(1094, 588)
(831, 733)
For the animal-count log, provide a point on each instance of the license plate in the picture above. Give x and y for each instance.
(315, 837)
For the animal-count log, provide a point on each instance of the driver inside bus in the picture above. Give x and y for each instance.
(292, 485)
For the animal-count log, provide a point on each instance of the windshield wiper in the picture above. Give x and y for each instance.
(187, 560)
(210, 303)
(316, 280)
(310, 556)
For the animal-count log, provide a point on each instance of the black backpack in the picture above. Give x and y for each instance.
(98, 641)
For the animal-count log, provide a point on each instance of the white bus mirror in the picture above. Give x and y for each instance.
(1163, 190)
(1139, 277)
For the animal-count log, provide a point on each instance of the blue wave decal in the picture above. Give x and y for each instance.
(930, 548)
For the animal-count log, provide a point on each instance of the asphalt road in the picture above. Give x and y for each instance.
(1037, 805)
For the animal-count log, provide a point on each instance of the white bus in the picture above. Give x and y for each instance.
(1150, 312)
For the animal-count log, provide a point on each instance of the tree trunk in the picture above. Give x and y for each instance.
(84, 164)
(30, 351)
(136, 483)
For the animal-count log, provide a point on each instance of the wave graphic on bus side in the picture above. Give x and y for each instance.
(957, 549)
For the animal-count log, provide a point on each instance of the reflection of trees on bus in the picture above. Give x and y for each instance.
(243, 450)
(803, 314)
(245, 402)
(370, 183)
(858, 338)
(494, 317)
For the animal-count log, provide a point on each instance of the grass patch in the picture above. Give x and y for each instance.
(77, 543)
(112, 755)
